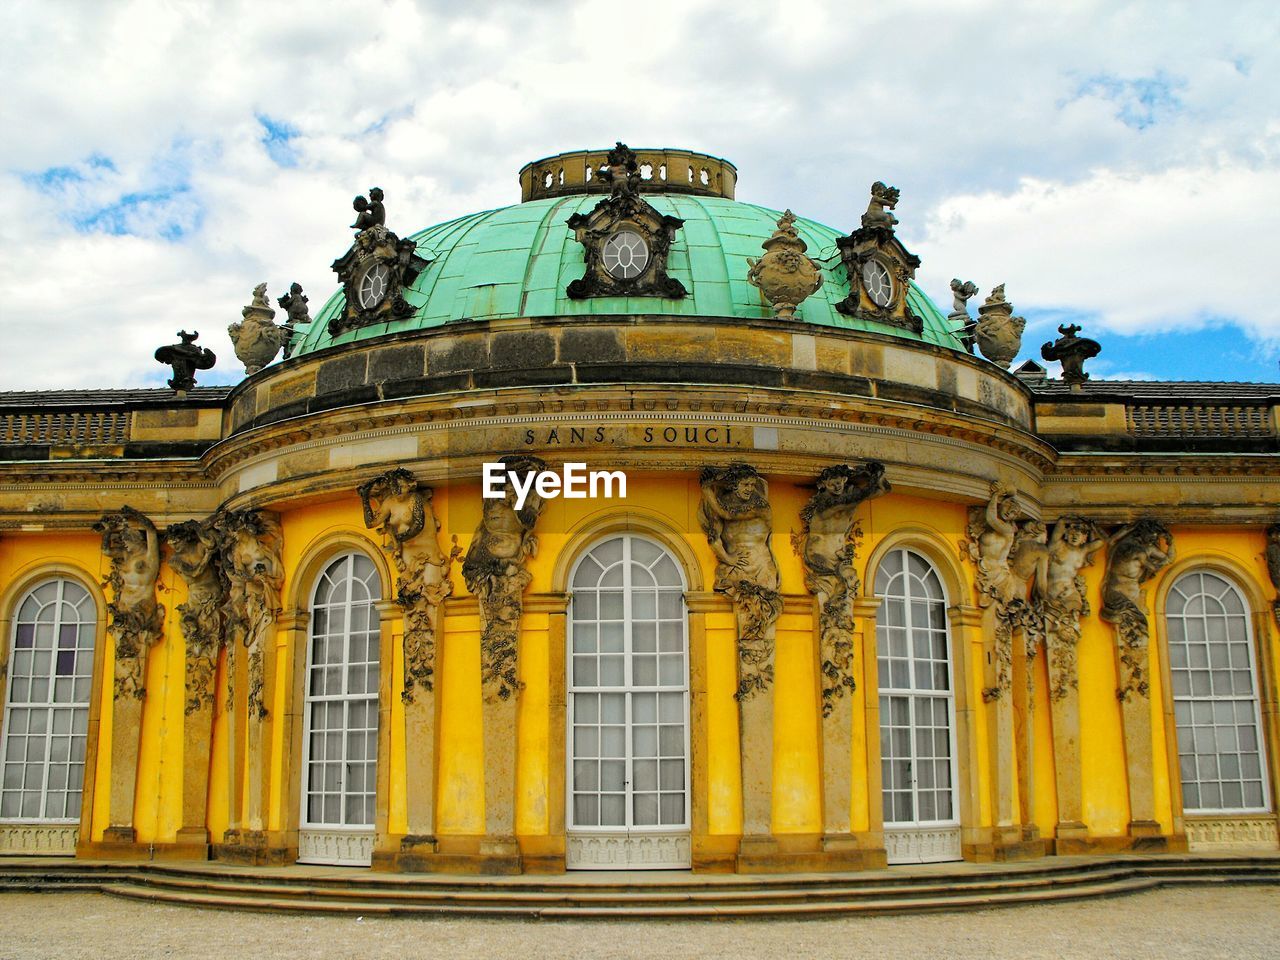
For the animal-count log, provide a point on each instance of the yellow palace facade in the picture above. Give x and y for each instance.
(848, 593)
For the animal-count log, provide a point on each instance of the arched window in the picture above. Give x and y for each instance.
(917, 712)
(628, 709)
(46, 716)
(340, 733)
(1215, 696)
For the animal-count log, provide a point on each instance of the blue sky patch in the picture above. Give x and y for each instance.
(1140, 102)
(277, 138)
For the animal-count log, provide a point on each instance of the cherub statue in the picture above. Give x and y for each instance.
(961, 293)
(132, 543)
(621, 171)
(1136, 553)
(991, 534)
(194, 556)
(736, 517)
(883, 199)
(401, 509)
(1072, 547)
(370, 212)
(250, 544)
(294, 304)
(827, 543)
(494, 571)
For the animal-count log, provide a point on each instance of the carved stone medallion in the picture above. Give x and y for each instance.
(625, 240)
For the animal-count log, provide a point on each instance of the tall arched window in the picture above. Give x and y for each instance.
(1215, 696)
(628, 709)
(917, 712)
(46, 716)
(340, 732)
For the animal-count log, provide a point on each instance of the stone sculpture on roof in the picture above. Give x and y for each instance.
(376, 271)
(186, 358)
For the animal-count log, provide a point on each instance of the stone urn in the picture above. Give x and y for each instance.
(257, 337)
(998, 332)
(785, 275)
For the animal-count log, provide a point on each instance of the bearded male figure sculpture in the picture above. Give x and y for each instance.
(132, 544)
(250, 543)
(735, 515)
(494, 571)
(194, 555)
(827, 543)
(1136, 553)
(401, 509)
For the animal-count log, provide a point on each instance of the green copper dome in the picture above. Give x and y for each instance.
(517, 261)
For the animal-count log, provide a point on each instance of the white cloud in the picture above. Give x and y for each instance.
(1093, 155)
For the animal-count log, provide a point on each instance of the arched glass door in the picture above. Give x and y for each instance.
(1221, 755)
(917, 712)
(46, 714)
(340, 717)
(628, 710)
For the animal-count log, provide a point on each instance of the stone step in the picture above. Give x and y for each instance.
(622, 910)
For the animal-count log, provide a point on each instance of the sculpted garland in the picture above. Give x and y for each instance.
(401, 509)
(828, 545)
(736, 517)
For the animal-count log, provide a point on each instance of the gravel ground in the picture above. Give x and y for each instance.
(1195, 922)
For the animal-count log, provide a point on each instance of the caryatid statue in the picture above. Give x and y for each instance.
(132, 544)
(827, 543)
(250, 543)
(1063, 601)
(193, 554)
(1273, 564)
(1007, 554)
(735, 515)
(401, 509)
(1136, 553)
(494, 571)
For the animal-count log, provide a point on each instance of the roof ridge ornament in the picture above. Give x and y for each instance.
(1071, 351)
(880, 268)
(257, 337)
(626, 239)
(785, 274)
(998, 332)
(376, 270)
(186, 358)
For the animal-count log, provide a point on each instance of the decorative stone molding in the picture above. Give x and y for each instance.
(880, 268)
(195, 556)
(1232, 833)
(736, 517)
(250, 543)
(335, 846)
(39, 839)
(626, 241)
(922, 845)
(1136, 553)
(1063, 601)
(494, 570)
(132, 544)
(827, 544)
(784, 274)
(401, 509)
(623, 851)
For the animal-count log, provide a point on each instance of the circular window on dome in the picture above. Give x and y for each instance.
(373, 286)
(875, 277)
(625, 255)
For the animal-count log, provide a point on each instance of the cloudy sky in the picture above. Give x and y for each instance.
(1115, 164)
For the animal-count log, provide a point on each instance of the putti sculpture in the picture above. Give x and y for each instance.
(294, 304)
(828, 545)
(962, 291)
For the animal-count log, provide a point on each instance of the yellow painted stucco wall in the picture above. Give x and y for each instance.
(672, 501)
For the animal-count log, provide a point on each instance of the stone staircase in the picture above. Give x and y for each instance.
(956, 886)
